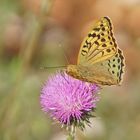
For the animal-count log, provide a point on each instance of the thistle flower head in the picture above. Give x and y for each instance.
(68, 100)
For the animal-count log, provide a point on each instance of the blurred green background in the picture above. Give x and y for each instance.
(36, 33)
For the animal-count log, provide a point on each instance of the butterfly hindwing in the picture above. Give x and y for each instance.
(115, 66)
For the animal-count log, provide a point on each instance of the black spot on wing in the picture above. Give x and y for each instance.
(114, 65)
(118, 60)
(103, 29)
(109, 37)
(113, 72)
(84, 52)
(96, 29)
(96, 42)
(109, 65)
(121, 57)
(98, 36)
(88, 44)
(103, 40)
(108, 50)
(92, 35)
(104, 45)
(101, 25)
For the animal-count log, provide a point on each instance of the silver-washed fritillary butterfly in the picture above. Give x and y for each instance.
(100, 60)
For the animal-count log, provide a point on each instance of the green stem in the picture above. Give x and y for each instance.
(71, 135)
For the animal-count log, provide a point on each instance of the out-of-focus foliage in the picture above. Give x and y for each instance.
(36, 33)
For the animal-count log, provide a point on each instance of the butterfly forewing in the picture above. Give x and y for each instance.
(99, 45)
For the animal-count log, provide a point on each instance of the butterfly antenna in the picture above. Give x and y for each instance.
(58, 66)
(64, 53)
(54, 67)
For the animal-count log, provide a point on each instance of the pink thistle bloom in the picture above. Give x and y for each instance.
(69, 100)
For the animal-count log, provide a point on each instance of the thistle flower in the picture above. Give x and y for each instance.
(68, 100)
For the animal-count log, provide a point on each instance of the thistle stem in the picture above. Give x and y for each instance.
(72, 131)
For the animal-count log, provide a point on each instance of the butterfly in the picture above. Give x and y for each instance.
(100, 60)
